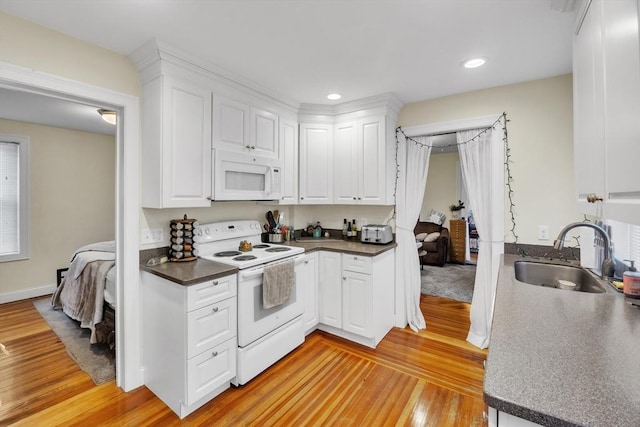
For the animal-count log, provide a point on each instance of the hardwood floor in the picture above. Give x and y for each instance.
(430, 378)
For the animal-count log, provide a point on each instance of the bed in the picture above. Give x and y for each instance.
(87, 291)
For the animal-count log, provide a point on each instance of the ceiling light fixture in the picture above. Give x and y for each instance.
(474, 62)
(334, 96)
(108, 116)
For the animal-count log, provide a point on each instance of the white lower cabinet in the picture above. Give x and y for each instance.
(307, 274)
(356, 295)
(189, 340)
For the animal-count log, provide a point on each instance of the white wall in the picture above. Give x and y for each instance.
(71, 196)
(541, 138)
(440, 192)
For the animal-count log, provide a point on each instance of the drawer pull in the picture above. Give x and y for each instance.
(355, 258)
(215, 283)
(344, 278)
(215, 309)
(214, 354)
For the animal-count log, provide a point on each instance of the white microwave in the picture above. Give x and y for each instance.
(239, 176)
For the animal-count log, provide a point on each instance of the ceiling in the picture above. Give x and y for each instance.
(304, 49)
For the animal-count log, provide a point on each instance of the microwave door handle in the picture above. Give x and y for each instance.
(270, 180)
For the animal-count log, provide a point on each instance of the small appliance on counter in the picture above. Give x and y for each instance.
(376, 233)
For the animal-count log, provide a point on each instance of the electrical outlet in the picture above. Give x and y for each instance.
(543, 232)
(153, 235)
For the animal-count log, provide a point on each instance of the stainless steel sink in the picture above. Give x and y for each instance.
(549, 275)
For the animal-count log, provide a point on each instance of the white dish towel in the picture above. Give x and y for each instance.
(277, 282)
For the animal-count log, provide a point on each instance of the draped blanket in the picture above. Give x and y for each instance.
(81, 294)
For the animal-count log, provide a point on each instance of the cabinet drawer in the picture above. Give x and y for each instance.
(210, 370)
(211, 291)
(357, 263)
(211, 325)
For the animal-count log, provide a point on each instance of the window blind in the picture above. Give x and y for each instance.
(634, 244)
(9, 198)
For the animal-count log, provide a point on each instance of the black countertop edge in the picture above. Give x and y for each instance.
(525, 413)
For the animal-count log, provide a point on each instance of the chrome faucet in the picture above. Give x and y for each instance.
(607, 268)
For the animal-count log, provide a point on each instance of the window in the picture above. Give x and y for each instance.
(14, 198)
(626, 240)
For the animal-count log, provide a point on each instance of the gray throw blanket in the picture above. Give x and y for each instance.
(82, 298)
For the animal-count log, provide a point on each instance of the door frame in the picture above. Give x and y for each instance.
(128, 349)
(497, 172)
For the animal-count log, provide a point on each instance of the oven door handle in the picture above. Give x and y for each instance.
(253, 272)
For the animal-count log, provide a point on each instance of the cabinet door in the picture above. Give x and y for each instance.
(371, 184)
(186, 144)
(357, 303)
(621, 51)
(209, 326)
(346, 150)
(330, 287)
(588, 110)
(289, 159)
(316, 164)
(210, 370)
(309, 280)
(231, 125)
(264, 134)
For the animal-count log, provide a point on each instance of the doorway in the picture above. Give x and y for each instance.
(128, 358)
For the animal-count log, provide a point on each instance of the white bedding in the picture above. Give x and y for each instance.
(89, 282)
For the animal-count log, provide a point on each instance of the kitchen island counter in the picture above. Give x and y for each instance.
(562, 358)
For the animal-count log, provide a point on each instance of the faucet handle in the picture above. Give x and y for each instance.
(632, 268)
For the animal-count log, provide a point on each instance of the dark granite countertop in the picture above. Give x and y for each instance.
(562, 358)
(336, 245)
(192, 272)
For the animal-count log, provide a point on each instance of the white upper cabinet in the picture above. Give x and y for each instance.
(359, 162)
(231, 125)
(176, 142)
(346, 163)
(289, 159)
(242, 128)
(372, 167)
(264, 132)
(607, 109)
(316, 164)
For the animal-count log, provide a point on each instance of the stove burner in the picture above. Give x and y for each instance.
(260, 246)
(244, 258)
(278, 249)
(227, 253)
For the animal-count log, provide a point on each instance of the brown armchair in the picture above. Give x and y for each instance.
(436, 251)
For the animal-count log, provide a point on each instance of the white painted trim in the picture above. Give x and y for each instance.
(450, 127)
(26, 294)
(128, 355)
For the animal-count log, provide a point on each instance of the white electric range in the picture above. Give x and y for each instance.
(264, 335)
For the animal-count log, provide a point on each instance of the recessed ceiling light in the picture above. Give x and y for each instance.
(334, 96)
(474, 62)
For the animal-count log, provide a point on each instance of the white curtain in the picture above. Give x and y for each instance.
(481, 182)
(412, 179)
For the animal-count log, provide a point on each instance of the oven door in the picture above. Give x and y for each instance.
(244, 177)
(254, 321)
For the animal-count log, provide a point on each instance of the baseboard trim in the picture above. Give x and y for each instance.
(27, 293)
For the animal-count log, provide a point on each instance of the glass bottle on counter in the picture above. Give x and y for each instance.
(344, 229)
(354, 230)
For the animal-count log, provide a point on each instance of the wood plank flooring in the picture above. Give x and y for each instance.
(430, 378)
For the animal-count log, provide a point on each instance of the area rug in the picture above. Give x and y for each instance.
(453, 281)
(94, 359)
